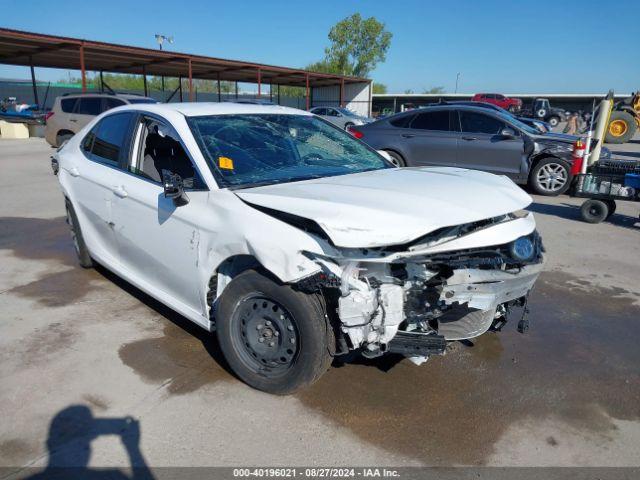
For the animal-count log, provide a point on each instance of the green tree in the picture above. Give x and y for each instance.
(434, 90)
(408, 91)
(379, 88)
(357, 45)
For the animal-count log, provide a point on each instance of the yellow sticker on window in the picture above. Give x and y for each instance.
(225, 162)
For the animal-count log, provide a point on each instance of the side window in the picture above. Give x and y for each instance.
(331, 112)
(90, 106)
(320, 111)
(438, 120)
(402, 121)
(109, 137)
(474, 122)
(68, 104)
(159, 149)
(110, 103)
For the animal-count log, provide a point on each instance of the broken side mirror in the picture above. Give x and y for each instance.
(173, 188)
(508, 133)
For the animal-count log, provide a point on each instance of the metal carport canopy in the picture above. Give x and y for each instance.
(40, 50)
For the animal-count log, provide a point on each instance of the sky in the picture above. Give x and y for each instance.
(542, 46)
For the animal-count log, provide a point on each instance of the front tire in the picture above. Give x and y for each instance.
(550, 177)
(84, 258)
(275, 339)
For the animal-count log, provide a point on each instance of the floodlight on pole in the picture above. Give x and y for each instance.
(163, 38)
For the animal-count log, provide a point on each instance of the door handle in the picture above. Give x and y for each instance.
(408, 135)
(469, 139)
(119, 192)
(73, 120)
(74, 172)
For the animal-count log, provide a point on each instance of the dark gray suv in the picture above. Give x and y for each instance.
(475, 138)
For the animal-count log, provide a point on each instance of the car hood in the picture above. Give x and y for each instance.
(557, 138)
(392, 206)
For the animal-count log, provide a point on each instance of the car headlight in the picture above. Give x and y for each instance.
(522, 249)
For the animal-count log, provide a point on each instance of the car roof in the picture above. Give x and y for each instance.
(197, 109)
(126, 96)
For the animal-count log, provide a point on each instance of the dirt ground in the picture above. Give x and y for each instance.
(87, 360)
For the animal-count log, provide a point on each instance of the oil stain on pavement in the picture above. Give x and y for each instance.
(579, 363)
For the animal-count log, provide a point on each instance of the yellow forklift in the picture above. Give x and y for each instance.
(624, 120)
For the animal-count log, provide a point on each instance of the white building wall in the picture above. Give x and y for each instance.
(357, 97)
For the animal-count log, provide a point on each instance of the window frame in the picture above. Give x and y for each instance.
(486, 114)
(417, 115)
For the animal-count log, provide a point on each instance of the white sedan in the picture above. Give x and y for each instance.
(293, 240)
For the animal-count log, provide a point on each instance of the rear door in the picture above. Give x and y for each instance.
(483, 147)
(430, 139)
(86, 109)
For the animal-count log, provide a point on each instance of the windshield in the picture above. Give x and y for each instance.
(347, 113)
(517, 123)
(262, 149)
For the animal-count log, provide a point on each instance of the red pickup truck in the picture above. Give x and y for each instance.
(511, 104)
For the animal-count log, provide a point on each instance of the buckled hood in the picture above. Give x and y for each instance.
(392, 206)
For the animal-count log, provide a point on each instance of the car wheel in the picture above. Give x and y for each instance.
(594, 211)
(61, 138)
(275, 338)
(622, 127)
(553, 121)
(78, 240)
(348, 125)
(550, 177)
(396, 159)
(611, 206)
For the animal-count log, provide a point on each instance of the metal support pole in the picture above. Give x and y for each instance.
(236, 89)
(307, 91)
(180, 87)
(33, 84)
(82, 69)
(278, 94)
(341, 92)
(190, 82)
(219, 94)
(144, 80)
(259, 82)
(101, 83)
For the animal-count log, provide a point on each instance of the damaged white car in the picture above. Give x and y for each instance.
(291, 239)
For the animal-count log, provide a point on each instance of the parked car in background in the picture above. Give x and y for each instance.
(477, 138)
(540, 125)
(340, 117)
(72, 112)
(510, 104)
(541, 109)
(290, 239)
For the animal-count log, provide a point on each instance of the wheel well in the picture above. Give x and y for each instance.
(64, 132)
(394, 151)
(228, 269)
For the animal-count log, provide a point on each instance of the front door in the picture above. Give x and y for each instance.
(429, 140)
(159, 242)
(483, 147)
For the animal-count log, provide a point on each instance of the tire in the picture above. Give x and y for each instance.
(554, 121)
(611, 205)
(347, 125)
(84, 258)
(622, 126)
(61, 138)
(396, 159)
(550, 177)
(594, 211)
(295, 333)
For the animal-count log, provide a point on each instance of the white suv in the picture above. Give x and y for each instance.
(72, 112)
(293, 240)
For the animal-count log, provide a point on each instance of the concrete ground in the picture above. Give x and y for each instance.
(93, 372)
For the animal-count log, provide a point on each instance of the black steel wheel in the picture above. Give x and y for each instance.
(275, 338)
(594, 211)
(84, 258)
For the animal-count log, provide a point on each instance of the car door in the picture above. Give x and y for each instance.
(483, 147)
(92, 173)
(335, 117)
(429, 139)
(87, 108)
(159, 241)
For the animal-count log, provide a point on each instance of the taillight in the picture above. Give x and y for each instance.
(48, 115)
(354, 132)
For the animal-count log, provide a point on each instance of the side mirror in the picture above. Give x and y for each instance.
(173, 188)
(508, 133)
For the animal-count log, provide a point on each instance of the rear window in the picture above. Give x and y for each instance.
(401, 121)
(110, 103)
(141, 100)
(108, 137)
(90, 106)
(68, 104)
(438, 120)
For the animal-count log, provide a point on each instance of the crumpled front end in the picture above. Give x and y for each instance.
(412, 299)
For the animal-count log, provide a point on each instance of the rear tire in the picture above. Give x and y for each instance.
(84, 258)
(276, 339)
(594, 211)
(622, 126)
(554, 121)
(396, 159)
